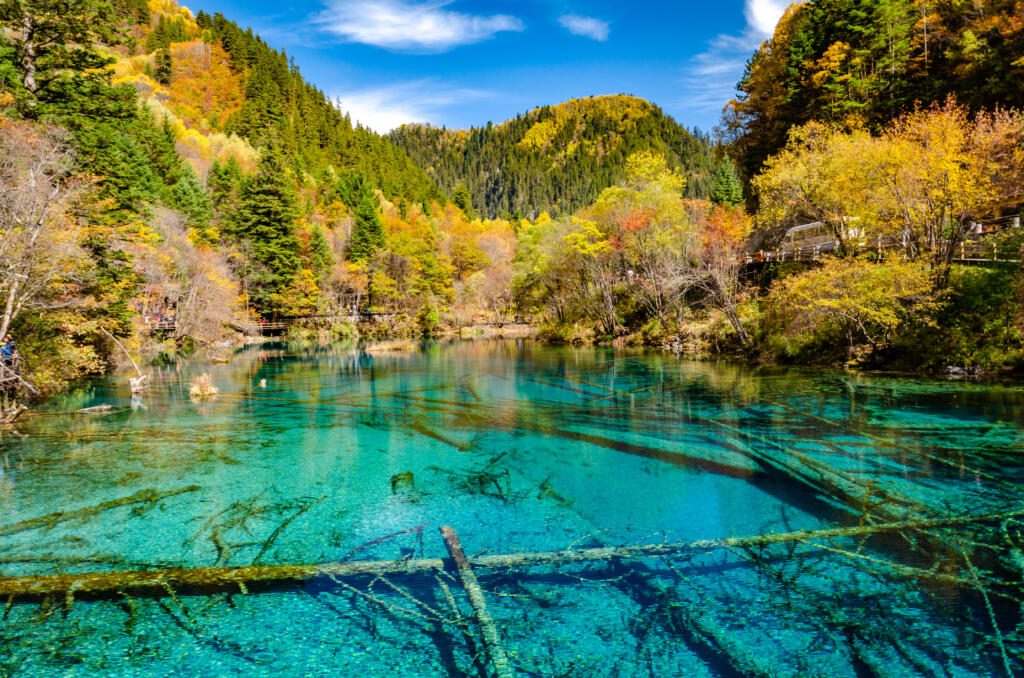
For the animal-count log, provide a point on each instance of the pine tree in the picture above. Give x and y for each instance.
(462, 199)
(320, 258)
(191, 199)
(367, 231)
(266, 222)
(54, 48)
(726, 189)
(164, 67)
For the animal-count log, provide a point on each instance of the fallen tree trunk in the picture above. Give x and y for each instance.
(497, 659)
(161, 582)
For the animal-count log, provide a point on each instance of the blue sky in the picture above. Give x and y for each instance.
(466, 62)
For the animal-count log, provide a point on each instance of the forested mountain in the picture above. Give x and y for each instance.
(158, 164)
(215, 77)
(860, 63)
(555, 158)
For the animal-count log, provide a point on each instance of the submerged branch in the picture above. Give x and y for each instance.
(48, 521)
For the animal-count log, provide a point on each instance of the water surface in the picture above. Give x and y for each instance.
(519, 447)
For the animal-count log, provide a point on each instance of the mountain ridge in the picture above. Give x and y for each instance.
(555, 158)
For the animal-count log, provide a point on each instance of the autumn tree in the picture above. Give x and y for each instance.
(821, 175)
(938, 170)
(39, 248)
(846, 303)
(723, 239)
(918, 185)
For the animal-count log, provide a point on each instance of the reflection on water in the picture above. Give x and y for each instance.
(313, 455)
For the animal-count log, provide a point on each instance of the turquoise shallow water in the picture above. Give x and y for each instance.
(521, 447)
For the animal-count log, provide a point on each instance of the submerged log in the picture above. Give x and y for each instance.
(156, 582)
(96, 409)
(488, 630)
(7, 417)
(142, 497)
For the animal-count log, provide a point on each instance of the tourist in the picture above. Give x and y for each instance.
(8, 350)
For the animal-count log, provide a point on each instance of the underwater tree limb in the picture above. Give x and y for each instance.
(281, 528)
(48, 521)
(154, 582)
(488, 630)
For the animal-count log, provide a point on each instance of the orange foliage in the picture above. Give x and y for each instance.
(638, 220)
(204, 88)
(726, 226)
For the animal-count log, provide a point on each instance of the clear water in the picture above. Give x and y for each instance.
(522, 447)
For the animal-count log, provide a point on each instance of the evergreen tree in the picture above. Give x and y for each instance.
(726, 189)
(367, 231)
(462, 200)
(266, 223)
(165, 32)
(320, 258)
(191, 199)
(54, 48)
(164, 67)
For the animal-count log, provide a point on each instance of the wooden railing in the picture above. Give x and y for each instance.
(970, 251)
(256, 328)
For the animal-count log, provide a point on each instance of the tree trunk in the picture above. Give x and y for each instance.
(5, 324)
(28, 54)
(163, 582)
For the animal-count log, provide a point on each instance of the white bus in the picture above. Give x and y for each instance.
(818, 236)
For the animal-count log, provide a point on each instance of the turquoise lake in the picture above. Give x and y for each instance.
(350, 456)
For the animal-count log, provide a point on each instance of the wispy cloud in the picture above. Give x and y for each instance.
(408, 25)
(585, 26)
(382, 109)
(709, 79)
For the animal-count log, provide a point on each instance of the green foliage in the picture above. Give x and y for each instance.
(193, 201)
(57, 56)
(166, 31)
(265, 227)
(463, 200)
(367, 229)
(555, 159)
(54, 357)
(164, 66)
(135, 11)
(133, 157)
(726, 188)
(281, 108)
(979, 324)
(320, 257)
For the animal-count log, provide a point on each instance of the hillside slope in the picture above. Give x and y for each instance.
(554, 158)
(229, 93)
(860, 63)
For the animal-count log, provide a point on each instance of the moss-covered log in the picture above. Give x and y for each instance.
(161, 582)
(497, 659)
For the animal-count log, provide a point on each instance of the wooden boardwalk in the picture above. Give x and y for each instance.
(275, 327)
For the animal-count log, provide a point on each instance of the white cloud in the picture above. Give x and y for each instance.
(763, 15)
(709, 80)
(382, 109)
(408, 25)
(586, 26)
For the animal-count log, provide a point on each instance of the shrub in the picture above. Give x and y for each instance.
(850, 304)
